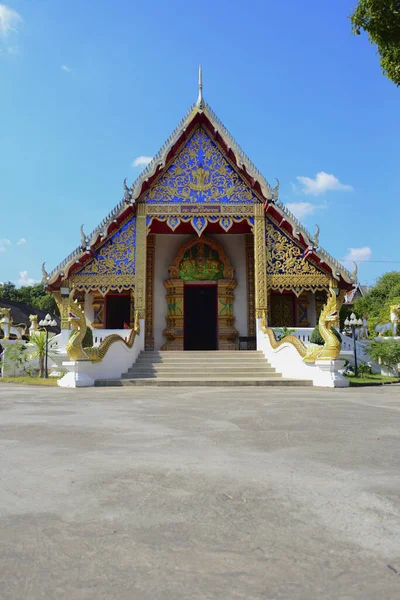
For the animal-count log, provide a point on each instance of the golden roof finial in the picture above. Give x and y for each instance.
(200, 99)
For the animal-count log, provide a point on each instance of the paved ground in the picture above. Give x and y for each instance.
(177, 494)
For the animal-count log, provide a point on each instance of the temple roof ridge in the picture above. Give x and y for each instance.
(243, 161)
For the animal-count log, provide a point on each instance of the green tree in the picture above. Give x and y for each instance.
(381, 20)
(376, 303)
(387, 352)
(33, 295)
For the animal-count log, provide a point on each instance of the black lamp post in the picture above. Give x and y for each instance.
(46, 323)
(353, 323)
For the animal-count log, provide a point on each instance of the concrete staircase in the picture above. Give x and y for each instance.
(195, 368)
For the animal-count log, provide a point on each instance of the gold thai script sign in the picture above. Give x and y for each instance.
(202, 209)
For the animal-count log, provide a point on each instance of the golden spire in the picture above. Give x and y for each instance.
(200, 99)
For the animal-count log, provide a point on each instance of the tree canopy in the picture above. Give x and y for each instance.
(377, 301)
(381, 20)
(33, 295)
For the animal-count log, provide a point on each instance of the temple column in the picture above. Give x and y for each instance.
(149, 335)
(260, 261)
(141, 251)
(251, 313)
(99, 314)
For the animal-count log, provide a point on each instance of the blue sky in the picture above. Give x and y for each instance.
(89, 86)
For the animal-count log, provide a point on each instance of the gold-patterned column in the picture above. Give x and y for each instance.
(140, 277)
(132, 308)
(149, 330)
(251, 312)
(260, 261)
(227, 334)
(99, 316)
(174, 331)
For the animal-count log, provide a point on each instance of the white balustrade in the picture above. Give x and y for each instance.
(99, 335)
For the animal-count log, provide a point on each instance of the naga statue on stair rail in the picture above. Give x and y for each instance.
(74, 347)
(328, 318)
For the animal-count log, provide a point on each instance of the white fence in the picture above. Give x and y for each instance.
(100, 334)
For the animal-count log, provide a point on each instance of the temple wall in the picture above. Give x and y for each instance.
(88, 309)
(166, 249)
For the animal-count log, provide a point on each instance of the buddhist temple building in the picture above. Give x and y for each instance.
(200, 246)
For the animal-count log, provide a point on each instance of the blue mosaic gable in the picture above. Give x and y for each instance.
(200, 174)
(117, 256)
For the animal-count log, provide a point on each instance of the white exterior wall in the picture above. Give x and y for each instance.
(88, 308)
(166, 249)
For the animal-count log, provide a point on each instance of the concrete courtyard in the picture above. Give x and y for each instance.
(178, 494)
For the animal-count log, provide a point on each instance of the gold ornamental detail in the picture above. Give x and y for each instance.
(140, 283)
(260, 261)
(251, 309)
(149, 325)
(286, 267)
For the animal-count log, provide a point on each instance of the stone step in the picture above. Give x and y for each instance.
(203, 363)
(200, 369)
(206, 375)
(214, 382)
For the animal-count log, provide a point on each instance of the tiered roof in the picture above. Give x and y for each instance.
(199, 114)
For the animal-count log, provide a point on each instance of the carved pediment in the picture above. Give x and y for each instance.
(200, 173)
(287, 269)
(113, 266)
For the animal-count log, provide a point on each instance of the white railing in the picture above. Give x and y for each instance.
(100, 334)
(302, 333)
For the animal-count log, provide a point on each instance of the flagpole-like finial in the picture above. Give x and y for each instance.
(200, 99)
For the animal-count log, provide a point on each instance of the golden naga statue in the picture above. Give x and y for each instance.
(34, 323)
(328, 318)
(95, 354)
(8, 327)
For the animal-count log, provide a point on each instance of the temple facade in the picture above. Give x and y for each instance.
(199, 247)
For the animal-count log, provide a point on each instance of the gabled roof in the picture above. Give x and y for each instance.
(20, 314)
(199, 114)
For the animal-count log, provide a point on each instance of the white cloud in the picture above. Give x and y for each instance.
(66, 69)
(24, 279)
(3, 244)
(9, 18)
(322, 183)
(302, 209)
(142, 161)
(21, 241)
(359, 254)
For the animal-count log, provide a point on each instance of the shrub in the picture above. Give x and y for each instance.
(388, 333)
(316, 337)
(387, 352)
(282, 332)
(364, 370)
(87, 341)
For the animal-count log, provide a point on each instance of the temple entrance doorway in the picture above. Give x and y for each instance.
(117, 311)
(200, 320)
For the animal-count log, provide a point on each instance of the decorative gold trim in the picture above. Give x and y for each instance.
(103, 283)
(251, 312)
(229, 271)
(140, 280)
(260, 260)
(149, 325)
